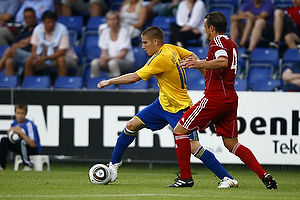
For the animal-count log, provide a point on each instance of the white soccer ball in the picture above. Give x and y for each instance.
(99, 174)
(13, 137)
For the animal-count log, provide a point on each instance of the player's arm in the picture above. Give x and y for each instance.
(219, 63)
(124, 79)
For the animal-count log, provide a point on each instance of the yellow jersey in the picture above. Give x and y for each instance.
(171, 78)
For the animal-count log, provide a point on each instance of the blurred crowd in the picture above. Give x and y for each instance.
(44, 37)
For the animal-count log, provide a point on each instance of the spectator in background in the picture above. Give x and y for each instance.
(134, 16)
(162, 7)
(287, 24)
(39, 6)
(116, 50)
(258, 16)
(8, 10)
(189, 22)
(15, 56)
(51, 47)
(58, 8)
(28, 143)
(95, 7)
(291, 78)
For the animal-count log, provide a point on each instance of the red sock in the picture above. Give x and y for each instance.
(248, 158)
(183, 151)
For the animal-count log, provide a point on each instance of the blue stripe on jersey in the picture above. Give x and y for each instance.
(181, 75)
(152, 58)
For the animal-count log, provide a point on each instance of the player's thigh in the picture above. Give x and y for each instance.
(153, 116)
(200, 116)
(226, 126)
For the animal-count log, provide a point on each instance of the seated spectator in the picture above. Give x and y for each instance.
(15, 56)
(58, 8)
(134, 16)
(8, 10)
(39, 6)
(291, 78)
(51, 47)
(258, 16)
(28, 142)
(287, 25)
(116, 50)
(162, 7)
(95, 7)
(189, 22)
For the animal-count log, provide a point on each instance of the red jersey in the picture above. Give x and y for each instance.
(293, 12)
(219, 84)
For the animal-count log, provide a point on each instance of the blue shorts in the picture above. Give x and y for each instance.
(155, 118)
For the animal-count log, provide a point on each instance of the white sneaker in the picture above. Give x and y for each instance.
(228, 182)
(1, 168)
(113, 168)
(27, 168)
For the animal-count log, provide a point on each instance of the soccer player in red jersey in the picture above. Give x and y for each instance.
(219, 105)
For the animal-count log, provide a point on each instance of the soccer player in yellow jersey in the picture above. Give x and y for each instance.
(168, 108)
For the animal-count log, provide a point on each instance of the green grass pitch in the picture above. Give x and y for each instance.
(70, 181)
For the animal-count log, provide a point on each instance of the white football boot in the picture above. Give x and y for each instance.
(113, 168)
(228, 182)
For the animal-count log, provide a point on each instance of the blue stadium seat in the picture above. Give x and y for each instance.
(8, 81)
(283, 4)
(73, 23)
(290, 57)
(259, 79)
(36, 82)
(90, 41)
(195, 80)
(92, 84)
(266, 85)
(79, 52)
(140, 56)
(68, 82)
(93, 52)
(233, 3)
(265, 57)
(2, 72)
(241, 85)
(226, 9)
(140, 85)
(201, 52)
(93, 24)
(163, 22)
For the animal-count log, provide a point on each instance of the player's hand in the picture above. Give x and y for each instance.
(189, 62)
(103, 84)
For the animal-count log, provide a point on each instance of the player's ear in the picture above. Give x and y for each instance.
(156, 42)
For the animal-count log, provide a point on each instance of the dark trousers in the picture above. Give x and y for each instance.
(20, 147)
(178, 36)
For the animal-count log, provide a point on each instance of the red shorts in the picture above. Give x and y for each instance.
(205, 113)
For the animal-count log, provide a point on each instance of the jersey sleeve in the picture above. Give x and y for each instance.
(151, 68)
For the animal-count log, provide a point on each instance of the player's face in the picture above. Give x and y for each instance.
(148, 45)
(207, 30)
(20, 115)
